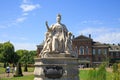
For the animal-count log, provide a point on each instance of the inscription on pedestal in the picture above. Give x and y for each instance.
(53, 72)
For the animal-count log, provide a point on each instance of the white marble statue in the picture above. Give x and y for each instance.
(58, 39)
(68, 46)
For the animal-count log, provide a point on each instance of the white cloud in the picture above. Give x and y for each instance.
(94, 30)
(24, 14)
(113, 37)
(25, 1)
(21, 19)
(27, 46)
(91, 22)
(29, 7)
(26, 7)
(103, 34)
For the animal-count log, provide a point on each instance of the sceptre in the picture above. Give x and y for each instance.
(47, 26)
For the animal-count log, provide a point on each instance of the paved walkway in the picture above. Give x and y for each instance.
(4, 75)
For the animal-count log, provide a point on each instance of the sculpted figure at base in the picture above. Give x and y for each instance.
(58, 39)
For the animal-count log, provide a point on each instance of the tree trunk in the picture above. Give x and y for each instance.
(18, 72)
(25, 68)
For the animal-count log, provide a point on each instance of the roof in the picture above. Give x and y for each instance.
(98, 44)
(41, 44)
(113, 47)
(82, 37)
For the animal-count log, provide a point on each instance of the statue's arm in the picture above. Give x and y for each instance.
(48, 28)
(47, 25)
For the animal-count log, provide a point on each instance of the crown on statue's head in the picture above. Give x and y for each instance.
(59, 15)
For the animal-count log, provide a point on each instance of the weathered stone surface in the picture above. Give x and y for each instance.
(58, 40)
(57, 59)
(69, 66)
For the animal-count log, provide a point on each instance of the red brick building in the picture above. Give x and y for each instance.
(90, 52)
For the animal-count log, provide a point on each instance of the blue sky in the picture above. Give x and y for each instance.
(22, 22)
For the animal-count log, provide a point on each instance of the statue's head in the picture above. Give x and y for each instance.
(58, 18)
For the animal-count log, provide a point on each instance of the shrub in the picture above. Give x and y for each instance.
(116, 71)
(92, 75)
(101, 73)
(115, 67)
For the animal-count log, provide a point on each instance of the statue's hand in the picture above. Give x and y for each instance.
(46, 23)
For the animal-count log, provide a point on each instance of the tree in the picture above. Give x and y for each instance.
(26, 57)
(23, 58)
(1, 47)
(1, 50)
(7, 53)
(32, 54)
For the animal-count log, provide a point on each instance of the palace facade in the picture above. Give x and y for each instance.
(91, 52)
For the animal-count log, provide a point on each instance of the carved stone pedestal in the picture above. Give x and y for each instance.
(56, 68)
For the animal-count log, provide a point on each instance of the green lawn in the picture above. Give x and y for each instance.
(2, 70)
(30, 69)
(83, 75)
(28, 77)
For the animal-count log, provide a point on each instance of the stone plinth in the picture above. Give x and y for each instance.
(56, 68)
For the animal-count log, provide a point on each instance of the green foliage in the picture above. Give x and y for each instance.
(116, 72)
(26, 57)
(99, 74)
(92, 75)
(32, 54)
(116, 76)
(84, 75)
(2, 70)
(115, 67)
(7, 53)
(1, 51)
(1, 48)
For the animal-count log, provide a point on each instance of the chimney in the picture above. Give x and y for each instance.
(118, 44)
(73, 37)
(90, 36)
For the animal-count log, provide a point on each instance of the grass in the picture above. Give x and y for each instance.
(83, 75)
(28, 77)
(2, 70)
(30, 69)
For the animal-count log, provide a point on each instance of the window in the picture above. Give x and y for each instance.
(111, 54)
(99, 51)
(86, 49)
(117, 54)
(76, 50)
(81, 50)
(105, 51)
(99, 58)
(93, 51)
